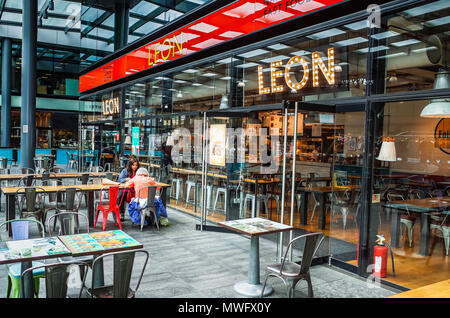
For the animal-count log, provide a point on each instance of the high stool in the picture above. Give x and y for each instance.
(261, 198)
(178, 183)
(218, 192)
(189, 185)
(277, 199)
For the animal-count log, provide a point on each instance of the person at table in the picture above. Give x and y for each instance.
(126, 174)
(140, 183)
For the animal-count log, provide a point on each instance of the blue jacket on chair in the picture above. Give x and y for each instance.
(135, 214)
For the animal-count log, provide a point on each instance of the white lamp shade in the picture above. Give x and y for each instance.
(437, 109)
(387, 151)
(128, 139)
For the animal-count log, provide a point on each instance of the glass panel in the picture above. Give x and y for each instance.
(413, 47)
(412, 179)
(345, 197)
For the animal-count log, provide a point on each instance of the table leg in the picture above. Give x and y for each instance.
(323, 212)
(424, 235)
(91, 212)
(304, 209)
(10, 211)
(395, 228)
(253, 287)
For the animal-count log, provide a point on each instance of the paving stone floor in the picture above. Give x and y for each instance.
(186, 263)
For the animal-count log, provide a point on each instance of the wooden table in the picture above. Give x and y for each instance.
(26, 251)
(254, 227)
(422, 206)
(60, 175)
(436, 290)
(322, 192)
(10, 193)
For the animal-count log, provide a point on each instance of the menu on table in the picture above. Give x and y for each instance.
(255, 225)
(99, 241)
(40, 247)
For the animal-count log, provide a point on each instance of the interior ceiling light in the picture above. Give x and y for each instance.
(439, 108)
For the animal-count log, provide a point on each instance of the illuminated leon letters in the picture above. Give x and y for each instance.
(262, 89)
(291, 81)
(274, 74)
(165, 50)
(318, 63)
(110, 106)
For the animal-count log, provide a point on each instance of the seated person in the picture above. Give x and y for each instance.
(140, 183)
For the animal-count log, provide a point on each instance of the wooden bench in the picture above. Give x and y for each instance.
(437, 290)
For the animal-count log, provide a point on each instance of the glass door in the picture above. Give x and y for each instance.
(328, 167)
(345, 196)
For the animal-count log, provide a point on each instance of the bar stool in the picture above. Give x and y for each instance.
(39, 166)
(189, 185)
(220, 191)
(178, 182)
(71, 162)
(3, 163)
(4, 183)
(261, 198)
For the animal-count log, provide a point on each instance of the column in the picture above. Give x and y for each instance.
(6, 93)
(122, 12)
(28, 110)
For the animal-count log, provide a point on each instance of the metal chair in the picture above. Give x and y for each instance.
(56, 278)
(122, 271)
(69, 204)
(151, 193)
(57, 170)
(96, 169)
(344, 206)
(69, 225)
(33, 205)
(111, 207)
(4, 183)
(26, 181)
(443, 228)
(408, 220)
(3, 163)
(27, 171)
(71, 162)
(20, 231)
(291, 272)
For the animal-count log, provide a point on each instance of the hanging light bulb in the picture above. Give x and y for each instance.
(179, 95)
(224, 102)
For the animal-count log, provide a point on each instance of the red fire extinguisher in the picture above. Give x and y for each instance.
(380, 256)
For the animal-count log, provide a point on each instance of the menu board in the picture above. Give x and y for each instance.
(40, 247)
(99, 241)
(255, 226)
(217, 140)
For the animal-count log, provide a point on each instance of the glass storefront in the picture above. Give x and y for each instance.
(367, 161)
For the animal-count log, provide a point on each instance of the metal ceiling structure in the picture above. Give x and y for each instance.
(82, 31)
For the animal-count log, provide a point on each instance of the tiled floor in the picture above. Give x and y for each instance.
(186, 263)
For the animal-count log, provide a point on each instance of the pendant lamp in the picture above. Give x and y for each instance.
(387, 151)
(439, 108)
(127, 139)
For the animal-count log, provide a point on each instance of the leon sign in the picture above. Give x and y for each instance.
(110, 106)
